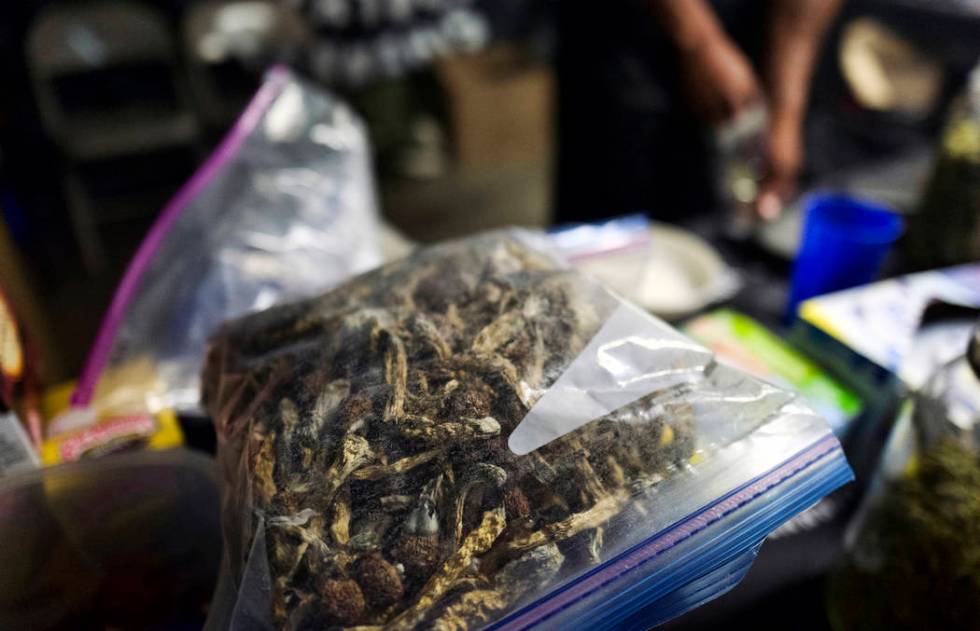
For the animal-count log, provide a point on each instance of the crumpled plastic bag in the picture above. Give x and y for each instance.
(284, 208)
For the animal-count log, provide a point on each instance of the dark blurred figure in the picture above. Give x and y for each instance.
(639, 81)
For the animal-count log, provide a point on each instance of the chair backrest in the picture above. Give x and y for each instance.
(75, 37)
(106, 55)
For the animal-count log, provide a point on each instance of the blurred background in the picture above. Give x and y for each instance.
(681, 151)
(108, 107)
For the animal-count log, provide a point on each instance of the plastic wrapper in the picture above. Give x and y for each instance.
(478, 436)
(913, 558)
(284, 208)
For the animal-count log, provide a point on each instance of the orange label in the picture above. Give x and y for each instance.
(11, 351)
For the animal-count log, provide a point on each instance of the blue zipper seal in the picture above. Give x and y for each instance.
(737, 523)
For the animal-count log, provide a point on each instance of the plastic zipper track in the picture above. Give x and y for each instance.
(98, 356)
(826, 469)
(742, 537)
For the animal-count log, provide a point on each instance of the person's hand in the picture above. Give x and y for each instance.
(718, 79)
(784, 157)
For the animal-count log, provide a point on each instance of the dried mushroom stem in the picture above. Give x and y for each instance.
(424, 518)
(481, 473)
(290, 558)
(309, 535)
(473, 607)
(396, 503)
(355, 452)
(592, 483)
(425, 331)
(340, 526)
(263, 463)
(542, 469)
(470, 582)
(289, 416)
(498, 332)
(299, 552)
(532, 570)
(476, 543)
(396, 374)
(429, 433)
(599, 514)
(329, 399)
(613, 472)
(589, 485)
(379, 471)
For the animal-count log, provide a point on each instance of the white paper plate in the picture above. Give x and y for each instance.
(677, 274)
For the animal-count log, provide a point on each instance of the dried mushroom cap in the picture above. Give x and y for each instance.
(476, 543)
(379, 580)
(472, 399)
(354, 408)
(419, 553)
(516, 504)
(379, 472)
(342, 600)
(371, 427)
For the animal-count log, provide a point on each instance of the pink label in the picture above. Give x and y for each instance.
(138, 425)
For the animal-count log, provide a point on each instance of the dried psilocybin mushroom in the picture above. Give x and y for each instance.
(419, 553)
(367, 432)
(379, 580)
(516, 504)
(480, 474)
(445, 578)
(419, 546)
(342, 600)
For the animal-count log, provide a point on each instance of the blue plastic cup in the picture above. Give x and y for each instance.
(845, 241)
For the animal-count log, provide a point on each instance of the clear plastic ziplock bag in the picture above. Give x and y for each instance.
(476, 436)
(283, 209)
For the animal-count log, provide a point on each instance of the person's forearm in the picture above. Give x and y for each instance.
(796, 29)
(688, 23)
